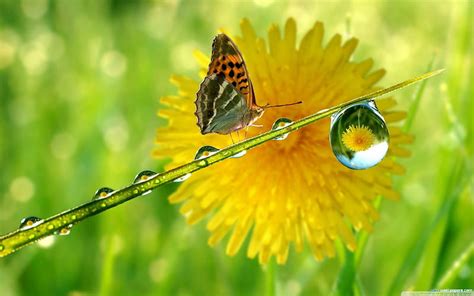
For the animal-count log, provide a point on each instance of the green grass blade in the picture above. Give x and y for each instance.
(270, 281)
(345, 281)
(448, 278)
(412, 111)
(359, 287)
(410, 263)
(363, 236)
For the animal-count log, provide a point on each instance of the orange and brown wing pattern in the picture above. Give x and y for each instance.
(227, 60)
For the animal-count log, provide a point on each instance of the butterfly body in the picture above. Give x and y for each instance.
(225, 101)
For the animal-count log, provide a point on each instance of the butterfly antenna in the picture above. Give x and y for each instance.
(281, 105)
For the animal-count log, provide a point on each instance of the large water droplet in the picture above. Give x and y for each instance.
(279, 124)
(358, 135)
(102, 192)
(28, 222)
(240, 154)
(182, 178)
(143, 176)
(205, 151)
(65, 230)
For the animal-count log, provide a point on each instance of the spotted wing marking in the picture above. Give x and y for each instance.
(226, 59)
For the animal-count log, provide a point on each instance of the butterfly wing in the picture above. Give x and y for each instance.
(220, 108)
(227, 60)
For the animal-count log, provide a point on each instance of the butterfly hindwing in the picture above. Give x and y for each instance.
(220, 108)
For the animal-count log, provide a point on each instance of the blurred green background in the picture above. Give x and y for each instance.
(79, 89)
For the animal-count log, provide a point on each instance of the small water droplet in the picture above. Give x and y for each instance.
(102, 192)
(28, 222)
(279, 124)
(2, 247)
(205, 151)
(183, 178)
(65, 230)
(143, 176)
(240, 154)
(358, 136)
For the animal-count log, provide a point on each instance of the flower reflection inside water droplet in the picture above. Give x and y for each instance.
(279, 124)
(358, 135)
(205, 151)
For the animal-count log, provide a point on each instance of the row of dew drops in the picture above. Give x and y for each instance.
(363, 120)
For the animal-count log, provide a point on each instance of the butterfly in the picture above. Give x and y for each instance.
(226, 101)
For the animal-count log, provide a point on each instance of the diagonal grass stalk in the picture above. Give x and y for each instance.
(19, 238)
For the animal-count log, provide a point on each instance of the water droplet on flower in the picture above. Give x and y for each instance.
(182, 178)
(143, 176)
(102, 192)
(28, 222)
(279, 124)
(205, 151)
(358, 135)
(64, 231)
(240, 154)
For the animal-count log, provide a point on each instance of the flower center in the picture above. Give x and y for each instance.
(358, 138)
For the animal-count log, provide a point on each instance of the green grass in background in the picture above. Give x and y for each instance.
(79, 89)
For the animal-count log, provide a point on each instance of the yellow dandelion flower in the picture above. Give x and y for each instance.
(358, 138)
(291, 192)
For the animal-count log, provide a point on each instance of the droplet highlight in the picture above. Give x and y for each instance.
(182, 178)
(359, 136)
(102, 193)
(240, 154)
(143, 176)
(279, 124)
(29, 222)
(146, 192)
(205, 151)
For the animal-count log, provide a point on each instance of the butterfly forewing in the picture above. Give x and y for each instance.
(227, 60)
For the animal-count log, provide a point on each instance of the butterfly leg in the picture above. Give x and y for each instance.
(231, 138)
